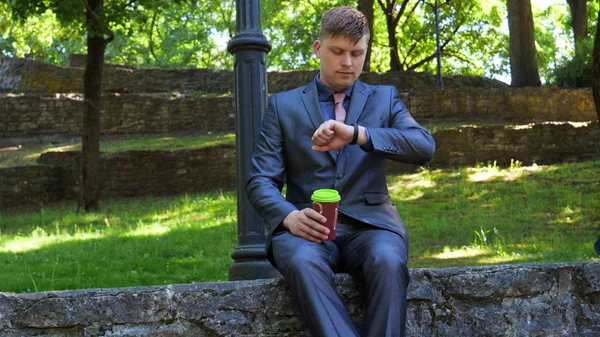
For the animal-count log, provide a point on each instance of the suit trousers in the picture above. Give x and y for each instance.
(376, 256)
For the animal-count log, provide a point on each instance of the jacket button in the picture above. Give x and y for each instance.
(339, 176)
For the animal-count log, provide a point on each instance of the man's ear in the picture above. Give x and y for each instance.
(317, 48)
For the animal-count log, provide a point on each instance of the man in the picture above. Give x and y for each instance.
(308, 143)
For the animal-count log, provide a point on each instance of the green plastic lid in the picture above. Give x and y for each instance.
(325, 195)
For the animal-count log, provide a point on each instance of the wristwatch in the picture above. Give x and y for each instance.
(355, 136)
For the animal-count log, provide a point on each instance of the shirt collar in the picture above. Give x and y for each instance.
(326, 92)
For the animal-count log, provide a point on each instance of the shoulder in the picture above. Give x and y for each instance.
(380, 88)
(286, 99)
(291, 93)
(376, 89)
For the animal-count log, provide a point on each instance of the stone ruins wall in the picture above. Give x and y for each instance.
(503, 300)
(44, 114)
(24, 75)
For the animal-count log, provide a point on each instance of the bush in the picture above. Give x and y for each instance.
(577, 72)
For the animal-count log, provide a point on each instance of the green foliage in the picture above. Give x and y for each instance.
(470, 36)
(189, 34)
(553, 36)
(291, 27)
(40, 37)
(193, 33)
(578, 71)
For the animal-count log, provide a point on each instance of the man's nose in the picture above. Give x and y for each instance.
(347, 60)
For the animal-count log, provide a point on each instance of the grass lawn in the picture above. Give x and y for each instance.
(26, 152)
(455, 217)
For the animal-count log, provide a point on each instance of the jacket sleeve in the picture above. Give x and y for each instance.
(404, 140)
(267, 174)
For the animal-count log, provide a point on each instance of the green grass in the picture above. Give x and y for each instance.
(130, 242)
(464, 216)
(27, 153)
(489, 215)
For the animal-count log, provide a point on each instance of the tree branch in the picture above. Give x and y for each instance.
(400, 12)
(383, 6)
(409, 15)
(98, 24)
(458, 55)
(413, 46)
(422, 62)
(151, 42)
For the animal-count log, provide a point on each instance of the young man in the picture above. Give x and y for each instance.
(337, 133)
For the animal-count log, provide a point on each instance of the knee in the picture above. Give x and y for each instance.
(305, 262)
(388, 262)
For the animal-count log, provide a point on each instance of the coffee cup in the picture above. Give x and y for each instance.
(326, 202)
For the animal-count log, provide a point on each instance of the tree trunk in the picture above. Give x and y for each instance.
(366, 7)
(388, 9)
(92, 82)
(596, 80)
(578, 18)
(523, 57)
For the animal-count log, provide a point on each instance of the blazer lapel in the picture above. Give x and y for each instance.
(360, 93)
(310, 98)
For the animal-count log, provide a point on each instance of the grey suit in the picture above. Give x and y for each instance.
(284, 155)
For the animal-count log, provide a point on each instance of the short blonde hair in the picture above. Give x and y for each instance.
(344, 21)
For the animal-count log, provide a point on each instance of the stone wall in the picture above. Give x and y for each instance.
(510, 300)
(43, 114)
(47, 114)
(30, 185)
(24, 75)
(134, 173)
(537, 143)
(170, 172)
(507, 105)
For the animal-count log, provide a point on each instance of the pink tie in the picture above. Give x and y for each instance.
(340, 112)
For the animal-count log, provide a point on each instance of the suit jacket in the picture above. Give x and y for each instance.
(283, 155)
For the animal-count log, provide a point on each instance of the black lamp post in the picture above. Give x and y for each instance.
(249, 47)
(438, 51)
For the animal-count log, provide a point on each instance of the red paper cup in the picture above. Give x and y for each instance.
(326, 202)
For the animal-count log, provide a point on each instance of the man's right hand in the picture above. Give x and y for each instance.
(308, 224)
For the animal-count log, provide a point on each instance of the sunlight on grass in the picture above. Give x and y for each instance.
(491, 214)
(497, 259)
(55, 248)
(50, 148)
(533, 214)
(166, 143)
(23, 244)
(449, 253)
(28, 153)
(411, 186)
(493, 172)
(155, 229)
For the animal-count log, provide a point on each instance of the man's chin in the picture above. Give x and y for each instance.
(345, 83)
